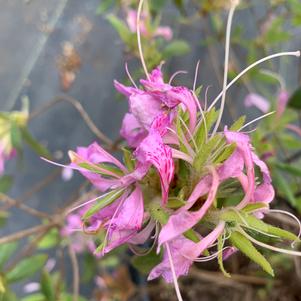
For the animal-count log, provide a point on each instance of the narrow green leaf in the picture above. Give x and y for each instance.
(6, 251)
(294, 100)
(284, 188)
(47, 288)
(26, 268)
(204, 152)
(291, 169)
(238, 123)
(104, 6)
(176, 48)
(34, 297)
(103, 201)
(15, 136)
(200, 135)
(282, 233)
(246, 247)
(120, 27)
(50, 240)
(34, 144)
(5, 183)
(254, 207)
(128, 159)
(144, 264)
(225, 153)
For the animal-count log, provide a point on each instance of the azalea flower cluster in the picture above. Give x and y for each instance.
(179, 185)
(187, 188)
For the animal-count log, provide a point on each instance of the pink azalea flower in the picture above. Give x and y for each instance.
(184, 253)
(147, 105)
(257, 101)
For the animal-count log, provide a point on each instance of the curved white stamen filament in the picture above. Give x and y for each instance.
(261, 244)
(139, 38)
(226, 64)
(175, 74)
(291, 53)
(129, 75)
(173, 272)
(110, 225)
(189, 133)
(293, 217)
(256, 119)
(196, 75)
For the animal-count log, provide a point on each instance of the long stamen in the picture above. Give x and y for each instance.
(292, 53)
(256, 119)
(93, 200)
(129, 76)
(174, 276)
(196, 75)
(261, 244)
(227, 50)
(189, 133)
(110, 224)
(139, 38)
(175, 74)
(292, 216)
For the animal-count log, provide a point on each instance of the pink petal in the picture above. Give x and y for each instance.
(132, 130)
(283, 98)
(153, 151)
(257, 101)
(184, 220)
(181, 263)
(145, 108)
(165, 32)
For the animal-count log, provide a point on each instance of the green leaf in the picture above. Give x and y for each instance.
(50, 240)
(34, 144)
(295, 100)
(238, 123)
(101, 168)
(103, 201)
(176, 48)
(205, 151)
(15, 136)
(283, 187)
(202, 132)
(26, 268)
(120, 27)
(5, 183)
(293, 170)
(254, 207)
(6, 251)
(104, 6)
(246, 247)
(225, 153)
(47, 288)
(34, 297)
(144, 264)
(2, 286)
(128, 159)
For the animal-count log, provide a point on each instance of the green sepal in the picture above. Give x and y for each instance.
(220, 261)
(128, 159)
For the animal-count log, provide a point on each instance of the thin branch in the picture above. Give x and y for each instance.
(75, 269)
(12, 202)
(27, 232)
(77, 105)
